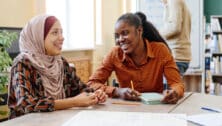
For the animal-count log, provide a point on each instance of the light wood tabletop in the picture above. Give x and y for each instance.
(193, 104)
(57, 118)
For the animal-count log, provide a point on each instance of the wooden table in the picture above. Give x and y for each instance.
(193, 104)
(189, 105)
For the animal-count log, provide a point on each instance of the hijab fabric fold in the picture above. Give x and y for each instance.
(32, 47)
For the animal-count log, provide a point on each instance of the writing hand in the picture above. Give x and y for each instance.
(127, 94)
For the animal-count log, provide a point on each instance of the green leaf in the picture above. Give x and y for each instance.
(6, 39)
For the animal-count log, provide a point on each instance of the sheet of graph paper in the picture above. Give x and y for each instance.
(111, 118)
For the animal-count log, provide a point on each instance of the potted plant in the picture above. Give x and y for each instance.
(6, 39)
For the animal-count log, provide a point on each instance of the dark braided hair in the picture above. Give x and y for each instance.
(149, 30)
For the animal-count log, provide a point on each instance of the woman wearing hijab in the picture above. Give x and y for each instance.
(41, 79)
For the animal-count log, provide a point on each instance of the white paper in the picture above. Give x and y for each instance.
(212, 119)
(111, 118)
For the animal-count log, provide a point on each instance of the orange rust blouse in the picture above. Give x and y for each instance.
(147, 77)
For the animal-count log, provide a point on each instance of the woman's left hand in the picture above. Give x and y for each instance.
(170, 97)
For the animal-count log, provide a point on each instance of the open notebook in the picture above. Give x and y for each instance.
(112, 118)
(151, 98)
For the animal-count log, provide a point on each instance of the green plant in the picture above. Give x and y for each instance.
(6, 39)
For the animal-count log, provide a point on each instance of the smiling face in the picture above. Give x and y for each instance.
(54, 40)
(127, 36)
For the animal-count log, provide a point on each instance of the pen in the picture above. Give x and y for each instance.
(211, 109)
(132, 86)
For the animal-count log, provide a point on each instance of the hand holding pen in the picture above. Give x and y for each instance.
(127, 93)
(134, 93)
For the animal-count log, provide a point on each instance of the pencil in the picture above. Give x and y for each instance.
(132, 86)
(125, 103)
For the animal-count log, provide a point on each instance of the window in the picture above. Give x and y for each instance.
(98, 22)
(77, 19)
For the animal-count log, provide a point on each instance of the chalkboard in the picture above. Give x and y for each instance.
(154, 12)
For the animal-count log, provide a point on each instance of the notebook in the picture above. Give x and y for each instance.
(209, 119)
(151, 98)
(114, 118)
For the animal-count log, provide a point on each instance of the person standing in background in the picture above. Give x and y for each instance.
(177, 29)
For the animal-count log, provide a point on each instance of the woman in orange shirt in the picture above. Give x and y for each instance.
(142, 56)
